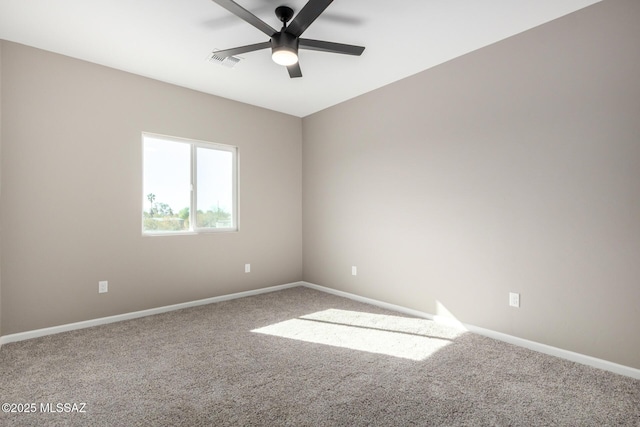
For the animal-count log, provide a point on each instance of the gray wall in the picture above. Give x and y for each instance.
(72, 193)
(513, 168)
(0, 188)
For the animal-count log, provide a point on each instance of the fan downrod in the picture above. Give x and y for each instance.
(284, 14)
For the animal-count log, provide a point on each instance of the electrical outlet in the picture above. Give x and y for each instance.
(354, 271)
(103, 287)
(514, 299)
(247, 268)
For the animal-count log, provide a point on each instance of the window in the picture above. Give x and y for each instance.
(188, 186)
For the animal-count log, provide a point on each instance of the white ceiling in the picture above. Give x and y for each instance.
(170, 40)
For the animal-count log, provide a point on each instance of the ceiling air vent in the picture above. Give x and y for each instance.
(228, 62)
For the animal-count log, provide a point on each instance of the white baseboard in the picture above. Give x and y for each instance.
(542, 348)
(531, 345)
(136, 314)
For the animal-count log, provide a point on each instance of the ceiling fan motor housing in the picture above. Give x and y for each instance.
(283, 41)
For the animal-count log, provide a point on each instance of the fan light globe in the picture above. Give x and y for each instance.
(284, 57)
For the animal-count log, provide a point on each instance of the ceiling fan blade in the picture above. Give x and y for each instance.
(306, 16)
(242, 49)
(294, 70)
(247, 16)
(323, 46)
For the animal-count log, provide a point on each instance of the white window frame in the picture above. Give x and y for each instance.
(194, 145)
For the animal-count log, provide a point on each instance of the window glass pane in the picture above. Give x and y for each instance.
(167, 185)
(214, 185)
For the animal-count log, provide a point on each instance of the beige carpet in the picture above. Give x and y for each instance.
(300, 357)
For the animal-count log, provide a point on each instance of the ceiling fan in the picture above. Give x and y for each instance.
(285, 43)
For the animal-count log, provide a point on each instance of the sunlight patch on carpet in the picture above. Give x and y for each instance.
(408, 338)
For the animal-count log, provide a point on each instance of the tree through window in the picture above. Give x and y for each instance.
(188, 186)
